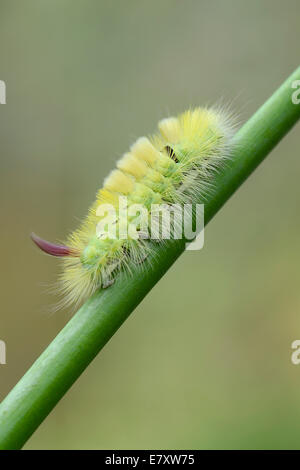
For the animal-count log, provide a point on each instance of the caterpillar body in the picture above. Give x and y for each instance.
(173, 166)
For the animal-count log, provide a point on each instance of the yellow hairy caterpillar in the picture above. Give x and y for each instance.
(171, 167)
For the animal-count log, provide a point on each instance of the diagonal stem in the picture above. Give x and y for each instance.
(54, 372)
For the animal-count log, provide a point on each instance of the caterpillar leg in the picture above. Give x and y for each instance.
(107, 283)
(141, 260)
(107, 279)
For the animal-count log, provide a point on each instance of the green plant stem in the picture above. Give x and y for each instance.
(54, 372)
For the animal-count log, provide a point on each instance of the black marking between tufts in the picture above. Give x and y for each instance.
(171, 153)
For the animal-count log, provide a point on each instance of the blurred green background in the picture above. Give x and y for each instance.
(205, 360)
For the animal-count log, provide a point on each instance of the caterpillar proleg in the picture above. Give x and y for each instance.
(172, 167)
